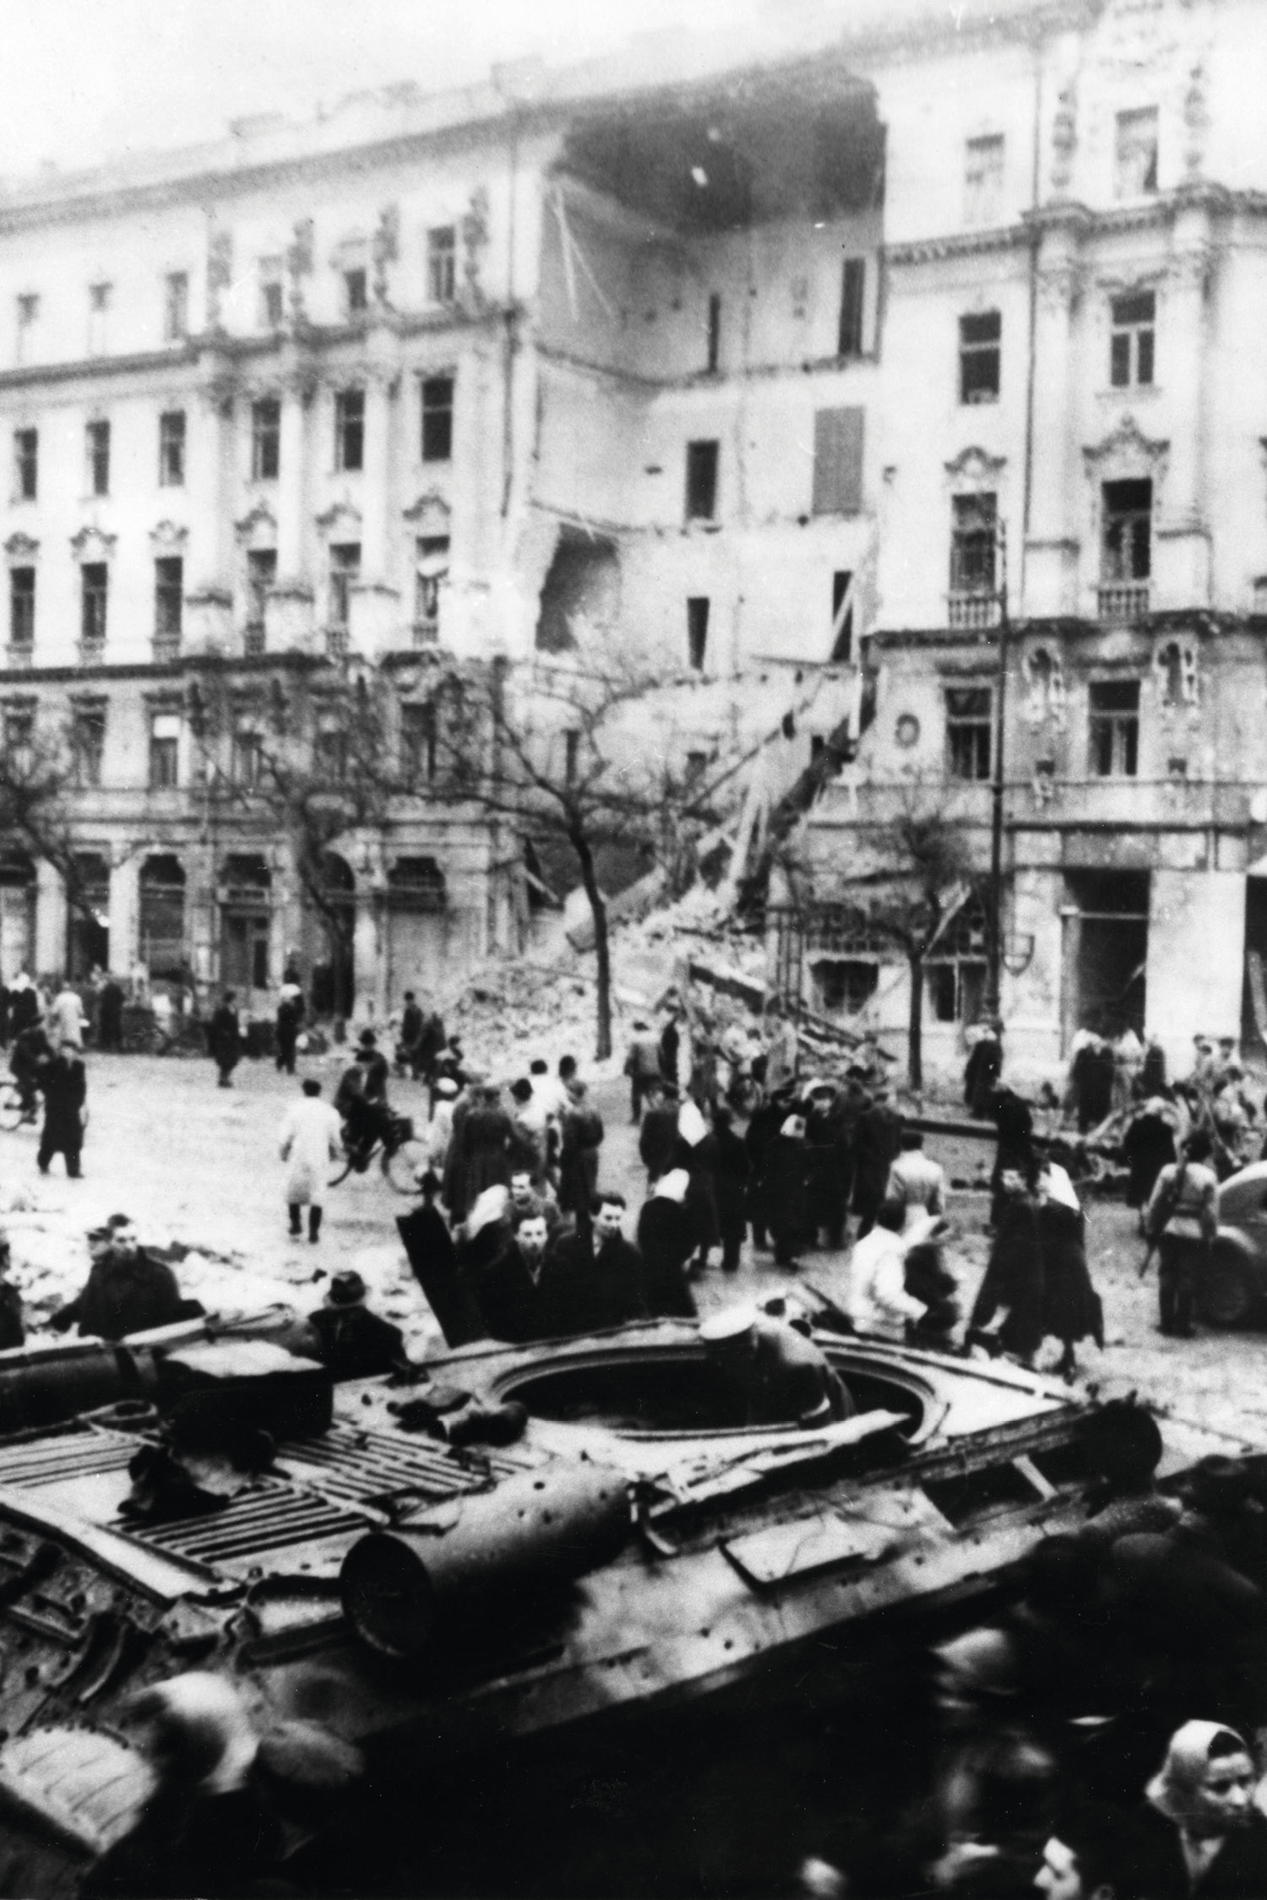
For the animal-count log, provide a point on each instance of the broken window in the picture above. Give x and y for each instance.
(175, 306)
(266, 439)
(345, 565)
(22, 607)
(164, 751)
(26, 463)
(261, 572)
(349, 429)
(701, 480)
(171, 449)
(169, 596)
(969, 731)
(1047, 688)
(437, 418)
(1126, 551)
(956, 989)
(980, 355)
(844, 985)
(94, 589)
(1177, 666)
(272, 287)
(983, 180)
(356, 293)
(838, 440)
(853, 280)
(247, 765)
(442, 264)
(1114, 728)
(714, 332)
(330, 753)
(431, 570)
(1132, 339)
(842, 617)
(1135, 153)
(88, 744)
(973, 543)
(97, 443)
(697, 610)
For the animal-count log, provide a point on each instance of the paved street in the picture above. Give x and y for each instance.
(199, 1166)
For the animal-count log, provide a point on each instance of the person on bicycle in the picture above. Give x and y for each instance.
(361, 1099)
(31, 1050)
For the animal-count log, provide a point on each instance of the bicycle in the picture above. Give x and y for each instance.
(13, 1111)
(402, 1158)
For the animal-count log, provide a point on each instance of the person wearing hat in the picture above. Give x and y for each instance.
(310, 1138)
(759, 1137)
(781, 1377)
(657, 1138)
(127, 1290)
(361, 1099)
(642, 1066)
(352, 1342)
(224, 1039)
(666, 1238)
(983, 1069)
(65, 1086)
(440, 1127)
(829, 1153)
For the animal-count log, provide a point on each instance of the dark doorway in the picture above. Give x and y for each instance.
(1106, 921)
(162, 916)
(333, 983)
(1254, 996)
(88, 937)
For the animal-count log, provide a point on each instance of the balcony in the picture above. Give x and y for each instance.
(166, 649)
(336, 643)
(92, 652)
(1121, 601)
(426, 633)
(253, 638)
(970, 613)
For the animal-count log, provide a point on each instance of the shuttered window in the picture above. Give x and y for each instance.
(838, 461)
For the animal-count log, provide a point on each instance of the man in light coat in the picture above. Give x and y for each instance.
(66, 1018)
(311, 1138)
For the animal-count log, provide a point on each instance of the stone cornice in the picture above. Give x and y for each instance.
(90, 368)
(932, 250)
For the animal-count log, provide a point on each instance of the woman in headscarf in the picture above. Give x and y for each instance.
(1071, 1305)
(1014, 1274)
(1200, 1834)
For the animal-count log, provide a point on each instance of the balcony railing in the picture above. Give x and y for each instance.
(253, 637)
(336, 643)
(426, 633)
(166, 648)
(971, 612)
(1123, 600)
(91, 652)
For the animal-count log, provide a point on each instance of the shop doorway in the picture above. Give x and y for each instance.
(162, 917)
(88, 932)
(1106, 951)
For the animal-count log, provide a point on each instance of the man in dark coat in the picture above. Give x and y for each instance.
(877, 1134)
(24, 1005)
(32, 1052)
(578, 1155)
(642, 1066)
(287, 1031)
(488, 1137)
(126, 1291)
(65, 1084)
(1015, 1150)
(353, 1342)
(984, 1067)
(110, 1016)
(657, 1138)
(786, 1188)
(617, 1271)
(433, 1259)
(500, 1269)
(829, 1151)
(1147, 1147)
(12, 1326)
(761, 1133)
(411, 1026)
(665, 1241)
(732, 1174)
(224, 1040)
(1014, 1273)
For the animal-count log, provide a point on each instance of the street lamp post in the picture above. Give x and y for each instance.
(994, 947)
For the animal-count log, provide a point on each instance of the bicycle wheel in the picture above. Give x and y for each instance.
(405, 1165)
(10, 1105)
(339, 1170)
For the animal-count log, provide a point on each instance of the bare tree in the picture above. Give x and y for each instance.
(38, 780)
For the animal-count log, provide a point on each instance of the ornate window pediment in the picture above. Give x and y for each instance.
(258, 528)
(974, 468)
(90, 544)
(20, 550)
(169, 537)
(1126, 450)
(342, 522)
(430, 514)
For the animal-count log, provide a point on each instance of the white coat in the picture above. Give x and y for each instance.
(311, 1138)
(66, 1019)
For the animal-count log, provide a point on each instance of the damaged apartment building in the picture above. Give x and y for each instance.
(1073, 513)
(425, 383)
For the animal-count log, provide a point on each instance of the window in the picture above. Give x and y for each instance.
(973, 544)
(983, 180)
(701, 480)
(842, 617)
(94, 587)
(1114, 708)
(437, 418)
(349, 429)
(19, 736)
(418, 741)
(164, 751)
(1132, 339)
(1135, 153)
(969, 731)
(430, 571)
(980, 350)
(838, 435)
(345, 563)
(442, 264)
(261, 572)
(844, 985)
(853, 279)
(330, 753)
(22, 607)
(98, 446)
(272, 304)
(1126, 553)
(28, 310)
(356, 291)
(99, 297)
(266, 439)
(248, 757)
(697, 610)
(956, 989)
(88, 744)
(169, 595)
(171, 449)
(714, 332)
(175, 306)
(26, 463)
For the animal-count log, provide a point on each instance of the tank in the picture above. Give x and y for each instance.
(484, 1621)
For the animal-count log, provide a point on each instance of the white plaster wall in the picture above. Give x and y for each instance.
(1196, 959)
